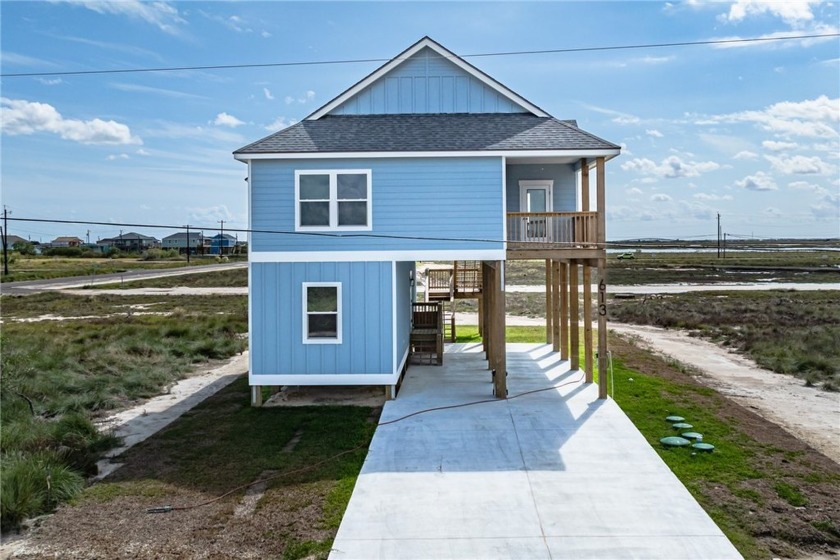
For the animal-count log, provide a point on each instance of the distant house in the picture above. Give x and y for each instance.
(130, 242)
(178, 241)
(222, 244)
(12, 239)
(66, 242)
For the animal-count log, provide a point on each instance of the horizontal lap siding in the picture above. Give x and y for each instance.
(563, 175)
(427, 83)
(277, 315)
(447, 199)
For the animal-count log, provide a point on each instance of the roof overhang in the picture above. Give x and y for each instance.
(527, 156)
(445, 53)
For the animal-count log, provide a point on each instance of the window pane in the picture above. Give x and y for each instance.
(315, 213)
(323, 326)
(352, 186)
(352, 213)
(322, 298)
(314, 187)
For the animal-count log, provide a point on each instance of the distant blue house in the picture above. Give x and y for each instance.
(222, 244)
(427, 158)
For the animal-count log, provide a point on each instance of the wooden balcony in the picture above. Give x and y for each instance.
(534, 234)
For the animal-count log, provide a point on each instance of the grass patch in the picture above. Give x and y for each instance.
(469, 333)
(796, 333)
(297, 516)
(41, 267)
(235, 278)
(58, 375)
(758, 479)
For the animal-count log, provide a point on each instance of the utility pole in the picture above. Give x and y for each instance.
(88, 237)
(221, 237)
(718, 234)
(188, 243)
(724, 245)
(5, 236)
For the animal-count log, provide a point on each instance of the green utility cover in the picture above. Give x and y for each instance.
(691, 435)
(674, 441)
(673, 419)
(705, 447)
(682, 426)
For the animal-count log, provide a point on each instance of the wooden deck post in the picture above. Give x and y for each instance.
(487, 295)
(603, 359)
(555, 313)
(574, 315)
(549, 304)
(500, 358)
(564, 311)
(587, 321)
(481, 312)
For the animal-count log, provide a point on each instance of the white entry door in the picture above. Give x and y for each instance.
(535, 198)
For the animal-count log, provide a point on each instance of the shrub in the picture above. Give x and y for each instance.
(33, 483)
(62, 252)
(24, 248)
(158, 254)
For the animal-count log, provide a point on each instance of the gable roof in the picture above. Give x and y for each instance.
(429, 133)
(427, 42)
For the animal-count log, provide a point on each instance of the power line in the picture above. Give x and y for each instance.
(366, 60)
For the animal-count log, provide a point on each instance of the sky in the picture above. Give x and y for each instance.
(751, 132)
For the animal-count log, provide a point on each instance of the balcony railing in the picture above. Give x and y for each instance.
(556, 229)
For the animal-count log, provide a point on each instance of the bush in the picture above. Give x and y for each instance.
(62, 252)
(24, 248)
(158, 254)
(31, 484)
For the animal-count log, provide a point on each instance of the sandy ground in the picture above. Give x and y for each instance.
(139, 422)
(811, 414)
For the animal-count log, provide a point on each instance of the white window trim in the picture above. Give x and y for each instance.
(305, 315)
(333, 175)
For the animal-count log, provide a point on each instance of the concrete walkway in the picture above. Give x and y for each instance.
(555, 474)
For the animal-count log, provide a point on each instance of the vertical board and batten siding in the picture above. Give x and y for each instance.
(405, 295)
(427, 83)
(565, 184)
(455, 201)
(277, 346)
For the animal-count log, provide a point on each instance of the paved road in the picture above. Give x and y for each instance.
(37, 286)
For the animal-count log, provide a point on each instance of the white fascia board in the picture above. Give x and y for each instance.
(323, 379)
(445, 53)
(609, 154)
(379, 256)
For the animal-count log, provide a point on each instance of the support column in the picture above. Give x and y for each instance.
(487, 295)
(603, 360)
(480, 300)
(500, 357)
(555, 313)
(564, 311)
(549, 304)
(587, 321)
(256, 396)
(574, 313)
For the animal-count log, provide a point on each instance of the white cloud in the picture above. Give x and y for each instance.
(626, 119)
(289, 100)
(823, 33)
(800, 165)
(155, 91)
(760, 181)
(745, 154)
(279, 124)
(708, 197)
(670, 167)
(19, 116)
(816, 118)
(803, 185)
(50, 81)
(772, 212)
(775, 146)
(160, 14)
(661, 197)
(142, 152)
(618, 116)
(793, 13)
(113, 157)
(828, 206)
(209, 216)
(265, 34)
(697, 210)
(653, 132)
(267, 94)
(634, 191)
(223, 119)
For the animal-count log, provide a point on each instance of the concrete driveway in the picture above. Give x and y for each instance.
(555, 474)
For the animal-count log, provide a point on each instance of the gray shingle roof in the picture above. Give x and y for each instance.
(432, 133)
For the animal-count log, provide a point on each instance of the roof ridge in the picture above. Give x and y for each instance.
(582, 131)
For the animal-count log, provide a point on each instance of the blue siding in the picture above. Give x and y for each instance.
(427, 83)
(565, 184)
(277, 319)
(445, 198)
(406, 294)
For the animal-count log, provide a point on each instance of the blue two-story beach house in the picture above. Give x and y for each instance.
(427, 158)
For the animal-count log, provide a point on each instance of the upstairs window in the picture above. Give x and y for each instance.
(321, 313)
(333, 200)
